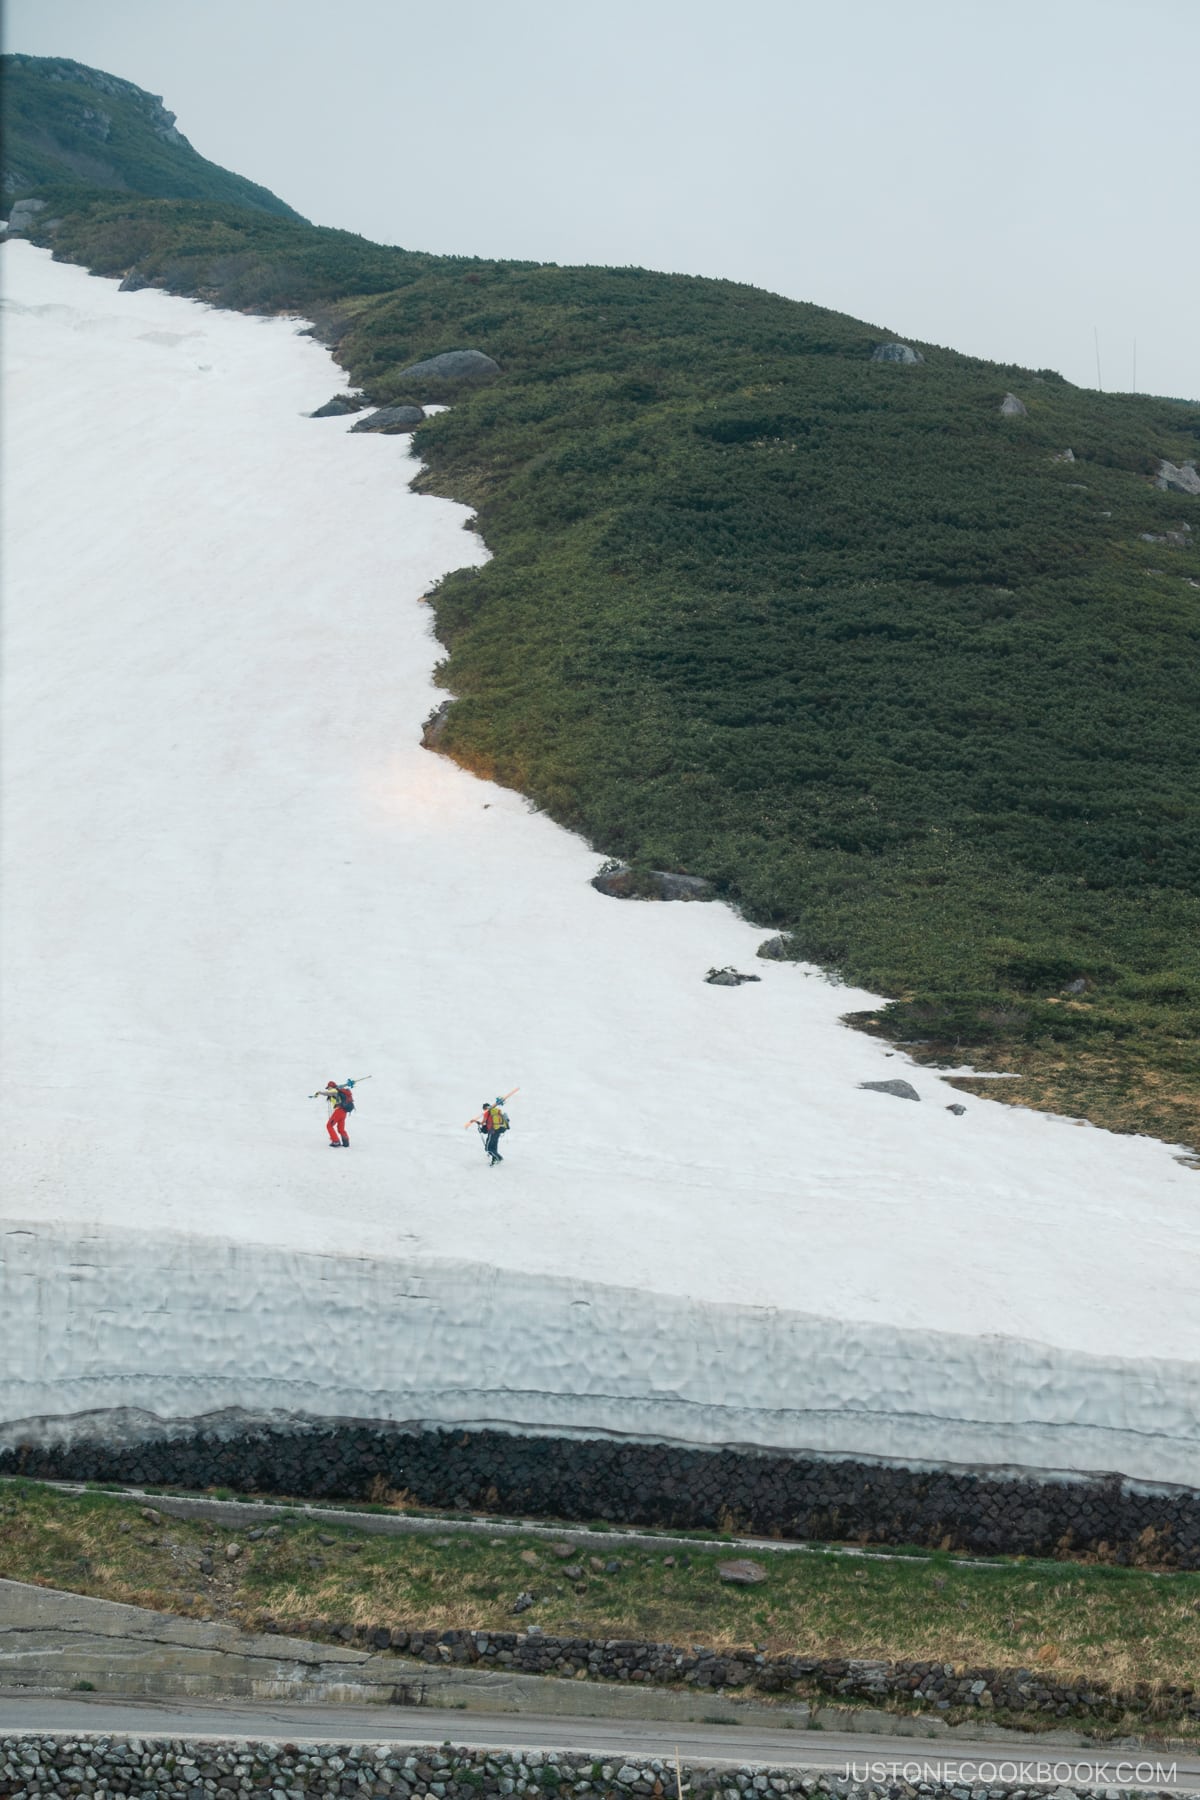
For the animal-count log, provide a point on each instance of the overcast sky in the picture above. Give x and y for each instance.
(1006, 176)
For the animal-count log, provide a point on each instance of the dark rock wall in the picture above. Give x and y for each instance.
(184, 1769)
(941, 1687)
(627, 1483)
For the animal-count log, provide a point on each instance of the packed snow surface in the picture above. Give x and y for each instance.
(231, 873)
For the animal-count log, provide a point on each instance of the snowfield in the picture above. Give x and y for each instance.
(231, 873)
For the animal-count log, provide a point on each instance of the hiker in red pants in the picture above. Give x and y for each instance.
(341, 1101)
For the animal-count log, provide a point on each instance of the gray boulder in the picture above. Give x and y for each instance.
(956, 1109)
(903, 1090)
(452, 365)
(1012, 408)
(728, 977)
(338, 406)
(391, 419)
(624, 883)
(24, 214)
(683, 887)
(1067, 455)
(133, 283)
(896, 353)
(773, 949)
(742, 1572)
(1172, 478)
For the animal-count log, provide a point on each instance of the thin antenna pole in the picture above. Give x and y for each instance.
(1096, 335)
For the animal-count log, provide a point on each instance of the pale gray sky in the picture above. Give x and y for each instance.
(999, 175)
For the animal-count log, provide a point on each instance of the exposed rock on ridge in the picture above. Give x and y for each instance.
(1177, 479)
(391, 419)
(452, 365)
(68, 124)
(23, 215)
(896, 353)
(624, 883)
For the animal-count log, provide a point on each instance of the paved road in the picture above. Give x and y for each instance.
(1002, 1761)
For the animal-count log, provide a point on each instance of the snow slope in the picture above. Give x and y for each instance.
(231, 873)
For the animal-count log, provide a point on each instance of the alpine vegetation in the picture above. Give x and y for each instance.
(894, 645)
(763, 612)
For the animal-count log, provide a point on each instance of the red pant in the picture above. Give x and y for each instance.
(336, 1126)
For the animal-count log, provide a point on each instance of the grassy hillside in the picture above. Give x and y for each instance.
(1122, 1627)
(833, 632)
(64, 122)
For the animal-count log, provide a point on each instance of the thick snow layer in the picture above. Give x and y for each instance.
(231, 873)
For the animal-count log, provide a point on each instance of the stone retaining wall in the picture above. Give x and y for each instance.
(788, 1496)
(940, 1687)
(180, 1769)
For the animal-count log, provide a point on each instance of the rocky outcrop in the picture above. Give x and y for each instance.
(94, 123)
(728, 977)
(1176, 540)
(452, 365)
(1012, 408)
(774, 949)
(340, 405)
(1177, 478)
(623, 883)
(903, 1090)
(67, 124)
(434, 728)
(1067, 456)
(896, 353)
(390, 420)
(23, 215)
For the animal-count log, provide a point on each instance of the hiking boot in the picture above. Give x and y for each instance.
(345, 1143)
